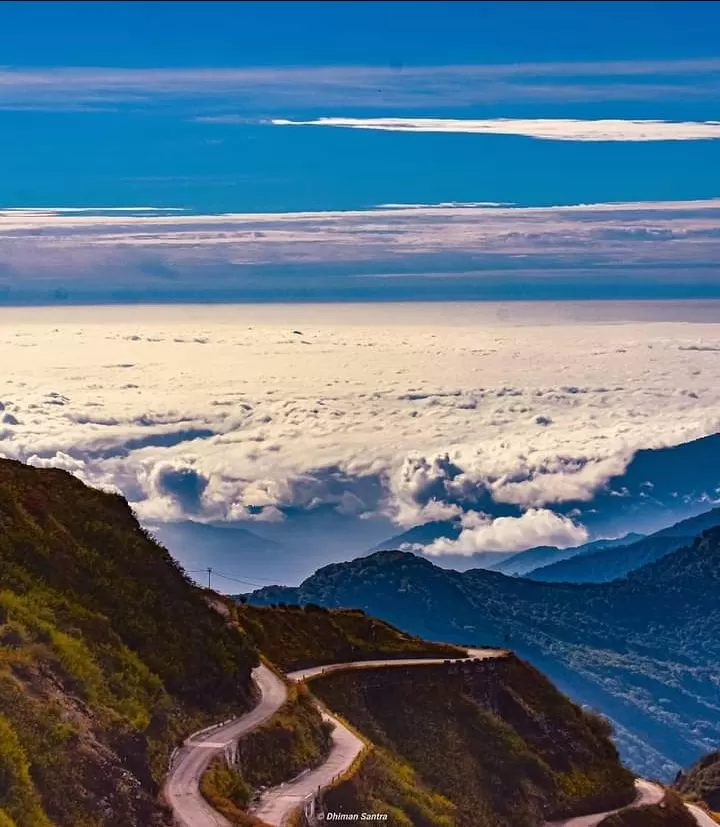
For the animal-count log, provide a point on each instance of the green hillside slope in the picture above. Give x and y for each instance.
(107, 656)
(297, 637)
(493, 738)
(669, 813)
(701, 782)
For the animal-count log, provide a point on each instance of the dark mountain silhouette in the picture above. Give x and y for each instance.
(507, 562)
(230, 549)
(422, 535)
(425, 534)
(612, 563)
(284, 552)
(527, 561)
(658, 484)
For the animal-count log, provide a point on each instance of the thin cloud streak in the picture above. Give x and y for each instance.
(408, 86)
(644, 245)
(550, 129)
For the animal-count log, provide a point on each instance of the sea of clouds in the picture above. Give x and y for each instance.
(409, 412)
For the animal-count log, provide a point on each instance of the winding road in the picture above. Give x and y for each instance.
(190, 809)
(647, 793)
(182, 788)
(277, 804)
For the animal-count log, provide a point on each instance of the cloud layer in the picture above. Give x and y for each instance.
(551, 129)
(584, 250)
(411, 413)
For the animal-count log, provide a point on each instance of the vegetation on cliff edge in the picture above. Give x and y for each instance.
(493, 737)
(297, 637)
(108, 655)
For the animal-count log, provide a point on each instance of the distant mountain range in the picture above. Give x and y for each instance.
(285, 552)
(658, 486)
(229, 549)
(643, 650)
(418, 536)
(611, 562)
(528, 561)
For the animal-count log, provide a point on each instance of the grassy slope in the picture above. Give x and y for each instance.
(295, 739)
(383, 783)
(107, 654)
(617, 647)
(295, 637)
(495, 738)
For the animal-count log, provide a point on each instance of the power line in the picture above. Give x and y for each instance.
(237, 579)
(264, 579)
(210, 571)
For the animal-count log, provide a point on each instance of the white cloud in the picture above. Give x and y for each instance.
(536, 527)
(417, 412)
(551, 129)
(445, 204)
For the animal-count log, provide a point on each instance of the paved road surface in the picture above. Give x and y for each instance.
(304, 674)
(647, 793)
(702, 818)
(276, 805)
(182, 788)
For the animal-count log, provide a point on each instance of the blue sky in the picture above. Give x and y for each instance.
(285, 107)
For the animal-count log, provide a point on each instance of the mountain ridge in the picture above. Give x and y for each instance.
(654, 632)
(612, 563)
(523, 563)
(673, 482)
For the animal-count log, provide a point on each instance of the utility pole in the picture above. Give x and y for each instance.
(209, 571)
